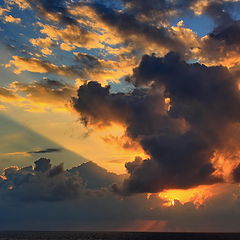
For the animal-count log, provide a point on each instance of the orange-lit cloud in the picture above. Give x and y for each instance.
(2, 107)
(6, 94)
(93, 21)
(11, 19)
(196, 195)
(72, 35)
(44, 44)
(35, 65)
(221, 53)
(15, 154)
(123, 142)
(39, 96)
(103, 70)
(3, 10)
(22, 4)
(199, 6)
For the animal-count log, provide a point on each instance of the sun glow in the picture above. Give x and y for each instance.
(196, 195)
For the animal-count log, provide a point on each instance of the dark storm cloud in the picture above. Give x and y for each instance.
(236, 174)
(47, 150)
(42, 165)
(223, 41)
(230, 33)
(219, 13)
(152, 8)
(128, 26)
(95, 177)
(227, 30)
(180, 142)
(222, 46)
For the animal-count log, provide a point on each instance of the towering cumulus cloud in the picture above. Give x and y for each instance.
(180, 113)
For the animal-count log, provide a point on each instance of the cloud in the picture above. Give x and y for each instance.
(42, 165)
(6, 93)
(145, 27)
(51, 197)
(56, 184)
(180, 140)
(25, 184)
(3, 11)
(184, 117)
(95, 177)
(85, 67)
(149, 29)
(47, 150)
(130, 27)
(236, 174)
(15, 153)
(43, 151)
(230, 34)
(105, 70)
(73, 35)
(22, 4)
(39, 66)
(12, 19)
(39, 95)
(221, 46)
(218, 12)
(122, 141)
(55, 7)
(45, 91)
(44, 43)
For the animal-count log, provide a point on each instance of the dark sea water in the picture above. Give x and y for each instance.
(116, 236)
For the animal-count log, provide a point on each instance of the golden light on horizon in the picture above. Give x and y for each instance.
(196, 195)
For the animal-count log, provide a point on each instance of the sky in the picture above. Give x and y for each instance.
(120, 115)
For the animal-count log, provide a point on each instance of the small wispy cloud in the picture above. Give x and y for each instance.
(48, 150)
(15, 153)
(42, 151)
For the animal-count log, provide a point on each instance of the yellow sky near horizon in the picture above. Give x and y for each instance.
(65, 129)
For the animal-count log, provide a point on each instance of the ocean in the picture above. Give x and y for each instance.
(116, 236)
